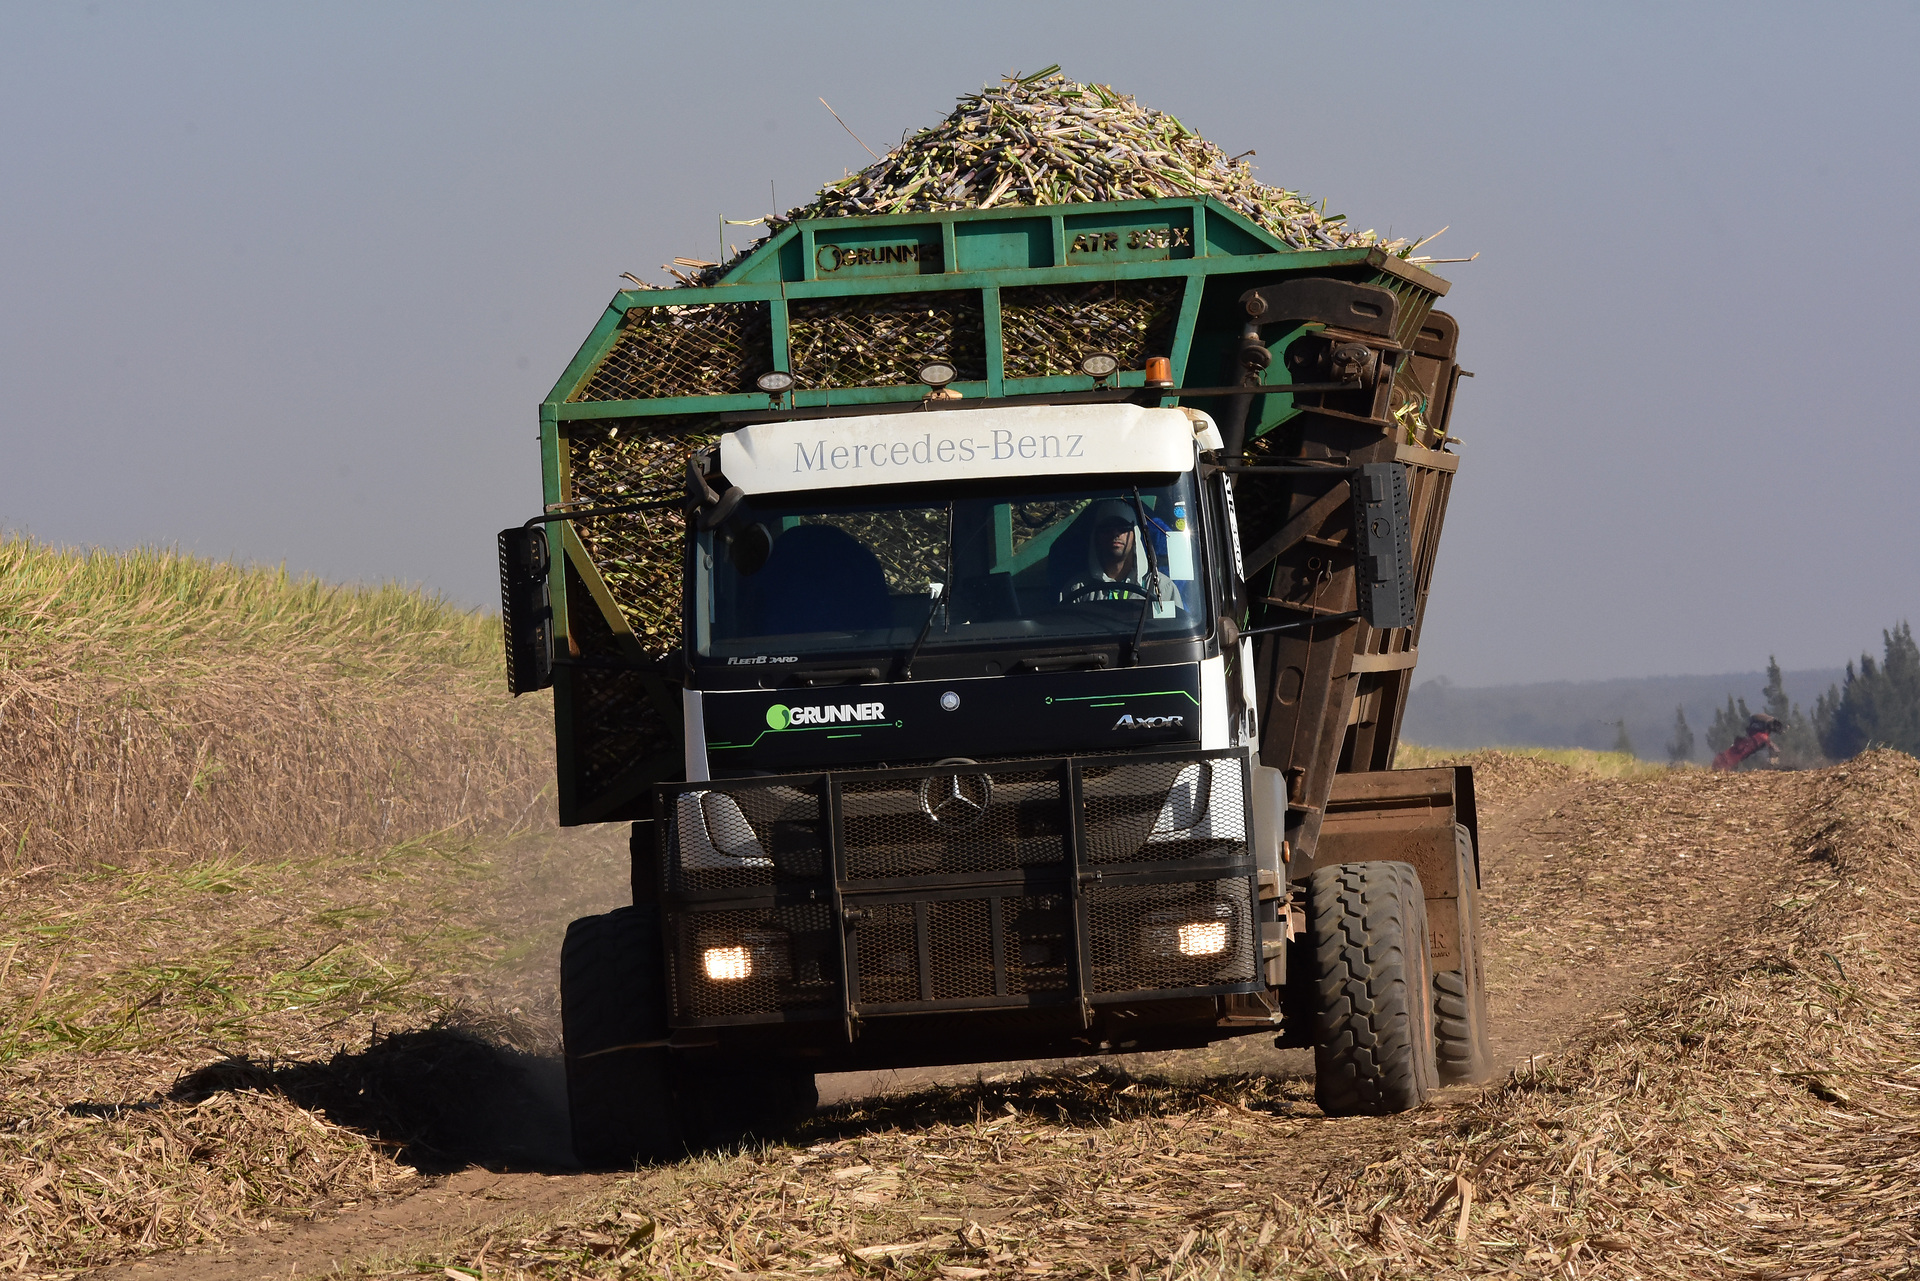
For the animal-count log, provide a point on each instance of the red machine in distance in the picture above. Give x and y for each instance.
(1761, 729)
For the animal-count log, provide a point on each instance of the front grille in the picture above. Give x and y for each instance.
(951, 949)
(961, 887)
(1146, 938)
(709, 349)
(729, 963)
(948, 824)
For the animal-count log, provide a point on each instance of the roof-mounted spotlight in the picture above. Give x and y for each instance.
(938, 373)
(1099, 365)
(774, 382)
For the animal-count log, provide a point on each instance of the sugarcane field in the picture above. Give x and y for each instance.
(976, 764)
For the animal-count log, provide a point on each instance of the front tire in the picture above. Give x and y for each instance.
(613, 1015)
(1373, 1048)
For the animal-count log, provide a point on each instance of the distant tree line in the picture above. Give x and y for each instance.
(1877, 706)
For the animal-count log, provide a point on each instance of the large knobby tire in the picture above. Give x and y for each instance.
(1460, 996)
(1373, 1047)
(613, 1014)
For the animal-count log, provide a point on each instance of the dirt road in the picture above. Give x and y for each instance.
(1596, 889)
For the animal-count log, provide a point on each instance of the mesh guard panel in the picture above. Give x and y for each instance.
(767, 961)
(1039, 943)
(746, 837)
(1156, 811)
(959, 949)
(957, 823)
(967, 904)
(1144, 938)
(888, 963)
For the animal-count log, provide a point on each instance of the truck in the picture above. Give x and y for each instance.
(995, 625)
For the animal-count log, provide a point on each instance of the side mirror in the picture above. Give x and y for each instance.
(1383, 544)
(526, 609)
(710, 510)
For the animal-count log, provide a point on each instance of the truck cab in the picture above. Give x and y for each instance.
(976, 584)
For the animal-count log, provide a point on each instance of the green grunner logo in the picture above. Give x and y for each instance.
(777, 717)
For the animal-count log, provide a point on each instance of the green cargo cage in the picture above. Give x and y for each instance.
(850, 310)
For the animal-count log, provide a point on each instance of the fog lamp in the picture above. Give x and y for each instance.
(1099, 365)
(938, 373)
(774, 381)
(727, 964)
(1203, 938)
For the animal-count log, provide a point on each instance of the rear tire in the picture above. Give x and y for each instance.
(1373, 974)
(1460, 996)
(613, 1000)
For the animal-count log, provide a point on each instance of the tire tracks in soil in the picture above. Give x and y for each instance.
(1593, 887)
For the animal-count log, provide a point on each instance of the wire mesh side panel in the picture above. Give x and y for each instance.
(1039, 943)
(953, 823)
(1144, 938)
(745, 837)
(960, 948)
(638, 554)
(710, 349)
(886, 955)
(883, 340)
(1048, 330)
(765, 961)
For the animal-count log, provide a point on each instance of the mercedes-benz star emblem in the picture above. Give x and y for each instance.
(956, 801)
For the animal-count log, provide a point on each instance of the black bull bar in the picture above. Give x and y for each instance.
(1064, 881)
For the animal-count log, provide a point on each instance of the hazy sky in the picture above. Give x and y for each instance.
(287, 283)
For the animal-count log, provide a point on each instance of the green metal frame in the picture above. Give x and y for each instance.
(1189, 239)
(1220, 242)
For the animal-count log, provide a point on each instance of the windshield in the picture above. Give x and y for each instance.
(825, 572)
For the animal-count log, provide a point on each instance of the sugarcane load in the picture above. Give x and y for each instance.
(991, 599)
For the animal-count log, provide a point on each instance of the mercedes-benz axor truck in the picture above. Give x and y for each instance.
(998, 652)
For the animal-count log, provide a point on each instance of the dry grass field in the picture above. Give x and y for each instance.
(297, 1046)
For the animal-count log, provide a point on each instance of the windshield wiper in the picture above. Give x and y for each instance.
(938, 592)
(1153, 580)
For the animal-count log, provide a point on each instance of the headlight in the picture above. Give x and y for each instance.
(1192, 932)
(727, 957)
(1203, 938)
(725, 964)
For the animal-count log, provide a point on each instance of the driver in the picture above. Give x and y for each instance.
(1117, 566)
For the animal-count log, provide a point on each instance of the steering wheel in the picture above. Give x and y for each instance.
(1089, 589)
